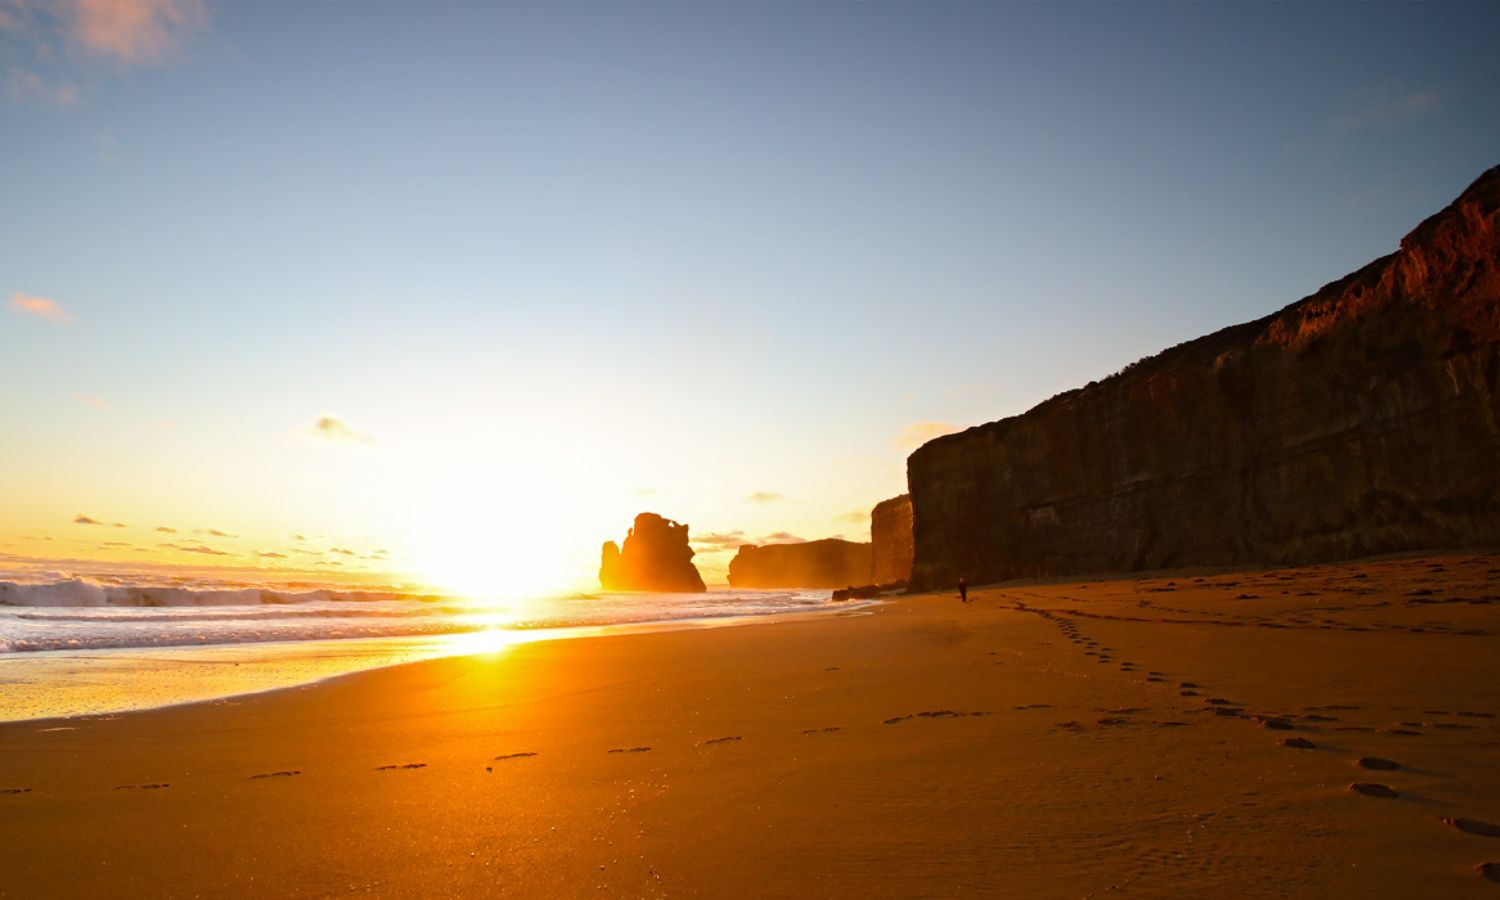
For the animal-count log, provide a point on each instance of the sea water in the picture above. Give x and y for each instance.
(97, 645)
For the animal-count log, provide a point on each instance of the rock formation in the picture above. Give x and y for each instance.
(890, 541)
(827, 563)
(1359, 420)
(656, 557)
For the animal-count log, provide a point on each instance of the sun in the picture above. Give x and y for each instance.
(491, 554)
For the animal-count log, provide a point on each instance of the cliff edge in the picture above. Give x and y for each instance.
(1359, 420)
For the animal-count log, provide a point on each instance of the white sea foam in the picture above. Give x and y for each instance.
(87, 614)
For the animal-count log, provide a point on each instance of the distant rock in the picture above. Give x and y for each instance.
(829, 563)
(890, 541)
(656, 557)
(1359, 420)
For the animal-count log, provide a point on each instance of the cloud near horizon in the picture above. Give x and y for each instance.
(716, 541)
(41, 307)
(330, 429)
(919, 433)
(82, 519)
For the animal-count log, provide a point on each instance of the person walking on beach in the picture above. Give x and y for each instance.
(963, 590)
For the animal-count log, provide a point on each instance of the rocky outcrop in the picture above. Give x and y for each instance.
(655, 557)
(890, 541)
(827, 563)
(1359, 420)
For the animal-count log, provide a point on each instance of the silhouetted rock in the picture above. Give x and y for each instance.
(827, 563)
(1358, 420)
(656, 557)
(890, 540)
(869, 591)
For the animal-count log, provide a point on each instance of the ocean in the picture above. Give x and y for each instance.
(100, 645)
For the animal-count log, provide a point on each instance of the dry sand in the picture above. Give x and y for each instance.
(1048, 740)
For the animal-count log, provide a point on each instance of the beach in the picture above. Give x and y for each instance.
(1060, 738)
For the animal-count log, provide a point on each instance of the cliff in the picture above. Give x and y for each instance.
(890, 541)
(1359, 420)
(828, 563)
(655, 557)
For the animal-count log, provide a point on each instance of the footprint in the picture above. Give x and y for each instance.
(285, 773)
(1219, 701)
(401, 766)
(1473, 826)
(630, 750)
(154, 786)
(1375, 762)
(722, 740)
(15, 790)
(1275, 724)
(1314, 717)
(828, 730)
(934, 714)
(1298, 743)
(1372, 789)
(1490, 870)
(513, 756)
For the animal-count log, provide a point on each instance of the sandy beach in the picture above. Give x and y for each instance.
(1059, 739)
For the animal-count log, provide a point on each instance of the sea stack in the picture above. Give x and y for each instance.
(1359, 420)
(655, 557)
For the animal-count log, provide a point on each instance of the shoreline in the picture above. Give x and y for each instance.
(1041, 741)
(44, 671)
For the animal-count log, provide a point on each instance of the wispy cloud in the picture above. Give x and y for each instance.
(780, 537)
(330, 429)
(919, 433)
(195, 548)
(344, 551)
(82, 519)
(166, 529)
(39, 306)
(135, 32)
(223, 534)
(765, 497)
(26, 87)
(1385, 107)
(270, 554)
(721, 540)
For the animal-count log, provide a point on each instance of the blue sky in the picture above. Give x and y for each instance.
(653, 255)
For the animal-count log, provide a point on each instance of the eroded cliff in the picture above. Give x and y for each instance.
(829, 563)
(1359, 420)
(890, 541)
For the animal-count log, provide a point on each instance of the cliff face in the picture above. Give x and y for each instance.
(829, 563)
(1359, 420)
(890, 541)
(656, 557)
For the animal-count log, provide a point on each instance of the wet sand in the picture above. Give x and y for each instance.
(1318, 731)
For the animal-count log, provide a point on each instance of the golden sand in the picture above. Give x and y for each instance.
(1198, 734)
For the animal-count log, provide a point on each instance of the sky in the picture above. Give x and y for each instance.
(446, 293)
